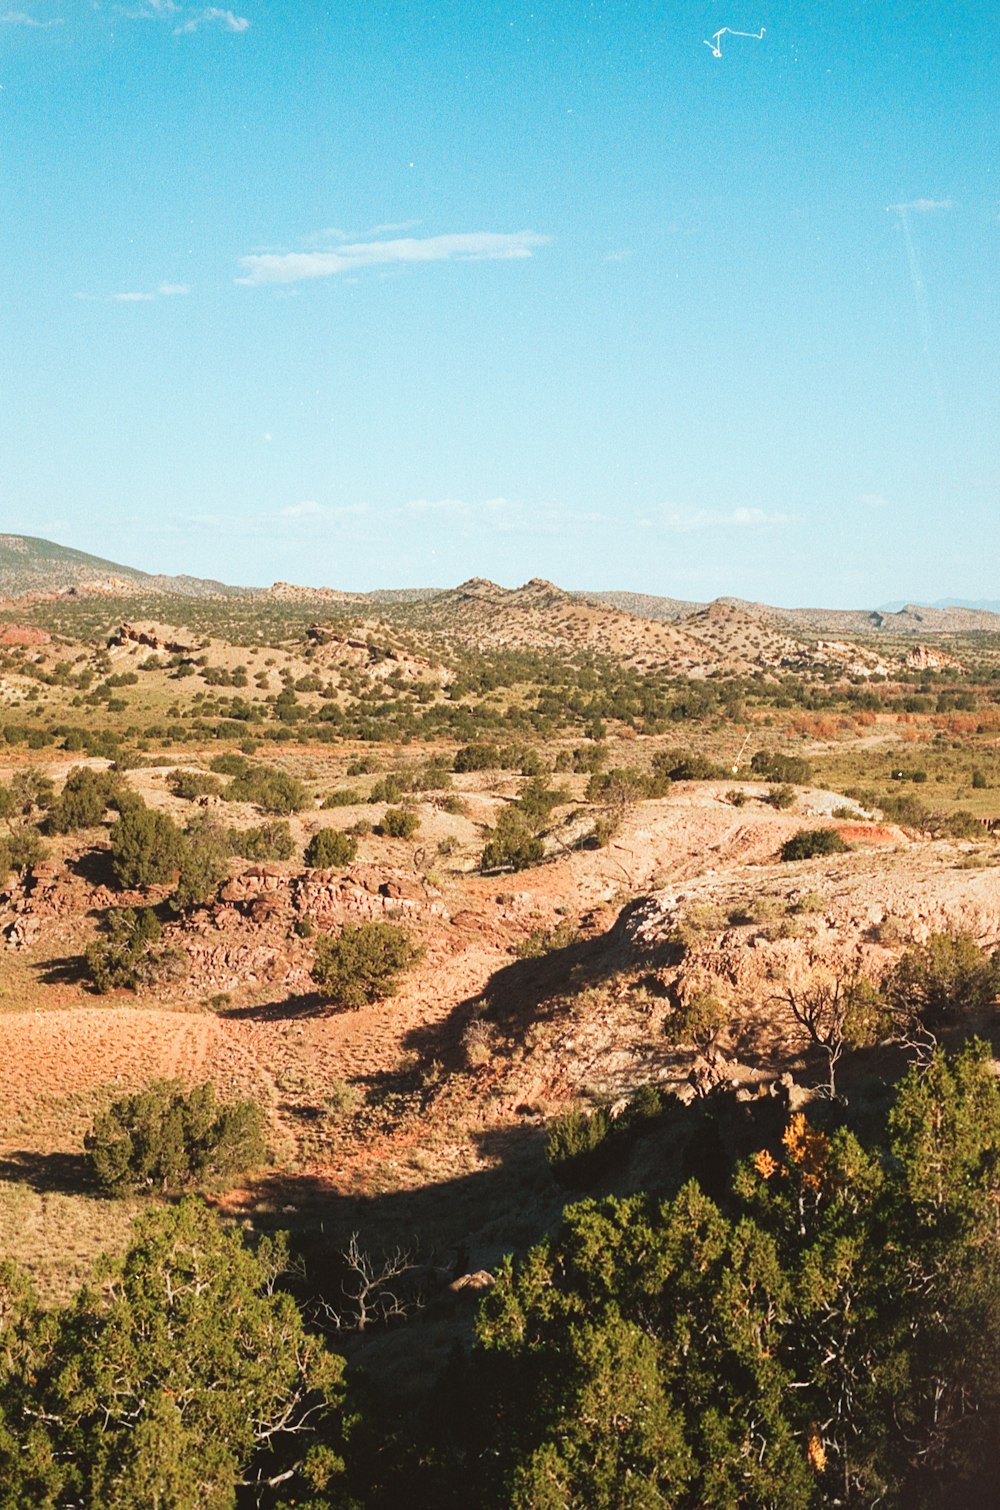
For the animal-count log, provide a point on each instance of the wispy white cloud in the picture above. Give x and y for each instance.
(467, 518)
(212, 14)
(686, 521)
(470, 246)
(138, 296)
(21, 18)
(875, 501)
(393, 227)
(187, 18)
(309, 508)
(922, 206)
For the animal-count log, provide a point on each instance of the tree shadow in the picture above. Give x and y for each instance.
(538, 989)
(67, 970)
(47, 1173)
(303, 1004)
(95, 867)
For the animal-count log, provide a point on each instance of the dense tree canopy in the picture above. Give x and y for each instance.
(178, 1377)
(828, 1337)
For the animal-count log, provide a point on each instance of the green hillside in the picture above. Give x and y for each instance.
(29, 564)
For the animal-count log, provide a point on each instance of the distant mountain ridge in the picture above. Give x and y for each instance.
(32, 566)
(985, 605)
(29, 564)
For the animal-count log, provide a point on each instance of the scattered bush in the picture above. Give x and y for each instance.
(166, 1138)
(363, 964)
(269, 789)
(682, 765)
(269, 841)
(146, 848)
(577, 1147)
(85, 799)
(121, 957)
(809, 842)
(399, 823)
(781, 768)
(455, 806)
(343, 796)
(780, 797)
(512, 845)
(330, 848)
(935, 983)
(204, 865)
(809, 901)
(193, 784)
(698, 1021)
(545, 940)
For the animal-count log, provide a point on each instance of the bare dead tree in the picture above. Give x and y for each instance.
(823, 1010)
(371, 1289)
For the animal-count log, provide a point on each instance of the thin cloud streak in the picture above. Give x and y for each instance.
(471, 246)
(687, 521)
(923, 206)
(21, 18)
(138, 296)
(187, 19)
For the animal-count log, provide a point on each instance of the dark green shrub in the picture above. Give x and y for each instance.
(512, 844)
(399, 823)
(363, 964)
(683, 765)
(343, 796)
(146, 848)
(269, 789)
(433, 776)
(230, 765)
(85, 799)
(698, 1021)
(941, 980)
(391, 787)
(979, 782)
(577, 1146)
(620, 787)
(363, 766)
(330, 848)
(121, 957)
(21, 850)
(166, 1138)
(268, 841)
(204, 865)
(537, 801)
(813, 841)
(639, 1340)
(586, 759)
(780, 797)
(481, 756)
(774, 767)
(959, 825)
(193, 784)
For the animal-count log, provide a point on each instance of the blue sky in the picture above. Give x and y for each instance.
(382, 294)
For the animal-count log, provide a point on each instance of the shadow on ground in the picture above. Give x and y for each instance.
(529, 991)
(46, 1173)
(303, 1004)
